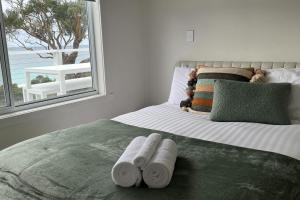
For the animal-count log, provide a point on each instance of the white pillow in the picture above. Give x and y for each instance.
(179, 85)
(283, 75)
(288, 76)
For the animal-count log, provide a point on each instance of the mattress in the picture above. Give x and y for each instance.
(169, 118)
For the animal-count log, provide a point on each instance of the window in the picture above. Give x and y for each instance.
(49, 49)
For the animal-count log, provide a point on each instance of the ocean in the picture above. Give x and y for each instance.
(18, 62)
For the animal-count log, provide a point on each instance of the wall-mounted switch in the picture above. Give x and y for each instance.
(190, 36)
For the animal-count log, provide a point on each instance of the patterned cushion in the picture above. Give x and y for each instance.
(204, 92)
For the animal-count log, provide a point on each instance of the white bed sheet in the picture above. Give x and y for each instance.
(169, 118)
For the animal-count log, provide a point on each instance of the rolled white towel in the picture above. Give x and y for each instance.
(148, 149)
(124, 173)
(159, 170)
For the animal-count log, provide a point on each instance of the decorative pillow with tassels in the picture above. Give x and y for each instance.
(201, 84)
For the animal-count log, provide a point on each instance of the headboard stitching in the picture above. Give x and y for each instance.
(256, 65)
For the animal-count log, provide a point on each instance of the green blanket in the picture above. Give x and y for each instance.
(76, 163)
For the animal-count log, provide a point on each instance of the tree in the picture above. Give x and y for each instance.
(41, 79)
(16, 90)
(50, 24)
(2, 97)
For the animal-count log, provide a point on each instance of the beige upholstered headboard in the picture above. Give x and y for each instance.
(261, 65)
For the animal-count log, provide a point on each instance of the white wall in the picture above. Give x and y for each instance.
(144, 38)
(237, 30)
(124, 62)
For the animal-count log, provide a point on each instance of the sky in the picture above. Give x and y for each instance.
(4, 5)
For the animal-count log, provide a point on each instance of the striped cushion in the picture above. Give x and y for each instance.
(204, 92)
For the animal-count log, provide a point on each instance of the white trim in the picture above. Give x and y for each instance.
(99, 53)
(24, 112)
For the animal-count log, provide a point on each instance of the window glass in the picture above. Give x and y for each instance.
(2, 97)
(48, 48)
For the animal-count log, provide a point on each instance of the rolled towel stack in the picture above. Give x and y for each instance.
(159, 170)
(151, 158)
(124, 172)
(147, 151)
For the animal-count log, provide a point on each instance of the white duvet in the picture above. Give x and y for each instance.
(166, 117)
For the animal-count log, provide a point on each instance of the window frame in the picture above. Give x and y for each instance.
(96, 60)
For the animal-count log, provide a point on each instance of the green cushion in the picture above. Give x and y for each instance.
(249, 102)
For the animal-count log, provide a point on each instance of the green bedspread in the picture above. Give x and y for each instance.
(76, 163)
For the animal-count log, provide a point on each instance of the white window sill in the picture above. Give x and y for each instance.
(23, 112)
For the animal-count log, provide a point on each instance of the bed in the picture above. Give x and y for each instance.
(228, 161)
